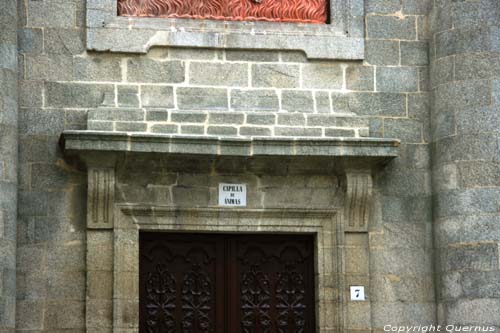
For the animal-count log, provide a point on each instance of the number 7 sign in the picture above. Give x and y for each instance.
(357, 293)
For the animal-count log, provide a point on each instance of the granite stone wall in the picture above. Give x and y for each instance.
(465, 62)
(224, 93)
(8, 164)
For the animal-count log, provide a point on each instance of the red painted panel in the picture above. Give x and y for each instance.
(305, 11)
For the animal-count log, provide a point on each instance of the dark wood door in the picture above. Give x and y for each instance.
(226, 283)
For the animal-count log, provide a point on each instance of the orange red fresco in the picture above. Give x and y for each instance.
(304, 11)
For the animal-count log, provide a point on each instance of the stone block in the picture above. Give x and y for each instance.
(407, 130)
(254, 131)
(414, 53)
(402, 288)
(157, 96)
(202, 98)
(477, 120)
(360, 78)
(478, 146)
(96, 125)
(478, 174)
(322, 76)
(165, 128)
(297, 131)
(222, 130)
(254, 100)
(64, 314)
(128, 96)
(100, 284)
(97, 68)
(467, 201)
(406, 182)
(442, 71)
(53, 68)
(48, 176)
(66, 285)
(64, 41)
(324, 120)
(30, 93)
(397, 79)
(382, 6)
(481, 284)
(180, 53)
(48, 14)
(41, 121)
(261, 119)
(417, 7)
(112, 114)
(382, 52)
(157, 115)
(479, 312)
(297, 101)
(221, 118)
(340, 132)
(128, 126)
(275, 76)
(477, 66)
(376, 104)
(189, 196)
(30, 41)
(192, 129)
(293, 56)
(142, 69)
(292, 119)
(77, 94)
(322, 102)
(391, 27)
(252, 55)
(218, 74)
(465, 40)
(32, 314)
(188, 117)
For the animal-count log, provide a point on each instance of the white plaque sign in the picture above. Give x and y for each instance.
(357, 293)
(233, 195)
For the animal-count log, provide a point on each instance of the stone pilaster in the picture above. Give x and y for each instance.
(8, 163)
(466, 160)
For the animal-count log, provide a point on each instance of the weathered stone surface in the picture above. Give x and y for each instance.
(218, 74)
(143, 69)
(157, 96)
(397, 79)
(202, 98)
(391, 27)
(254, 100)
(322, 76)
(279, 76)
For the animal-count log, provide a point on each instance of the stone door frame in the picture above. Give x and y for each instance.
(130, 220)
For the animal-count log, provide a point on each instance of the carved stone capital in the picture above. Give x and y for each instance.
(100, 198)
(357, 201)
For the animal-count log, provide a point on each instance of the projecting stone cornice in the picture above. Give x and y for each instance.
(364, 151)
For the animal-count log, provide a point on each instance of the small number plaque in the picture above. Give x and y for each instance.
(357, 293)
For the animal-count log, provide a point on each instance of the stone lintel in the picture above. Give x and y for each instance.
(362, 153)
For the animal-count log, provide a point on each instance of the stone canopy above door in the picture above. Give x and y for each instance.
(167, 183)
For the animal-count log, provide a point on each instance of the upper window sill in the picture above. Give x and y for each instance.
(343, 39)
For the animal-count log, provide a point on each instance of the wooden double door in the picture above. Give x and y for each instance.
(226, 283)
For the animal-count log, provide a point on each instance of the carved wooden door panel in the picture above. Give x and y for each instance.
(274, 289)
(216, 283)
(181, 283)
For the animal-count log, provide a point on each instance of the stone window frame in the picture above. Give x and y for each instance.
(342, 38)
(323, 224)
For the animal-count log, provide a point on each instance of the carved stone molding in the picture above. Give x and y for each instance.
(100, 198)
(358, 200)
